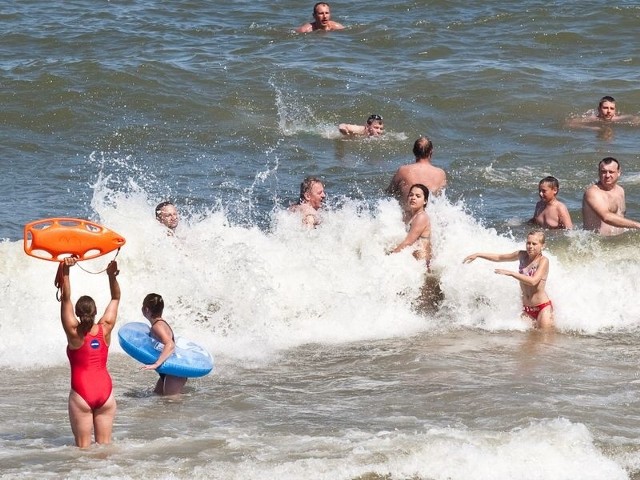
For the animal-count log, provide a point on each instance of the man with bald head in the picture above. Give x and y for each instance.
(422, 171)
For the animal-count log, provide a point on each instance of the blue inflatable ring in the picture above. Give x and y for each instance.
(188, 360)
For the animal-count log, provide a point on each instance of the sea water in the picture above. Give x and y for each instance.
(325, 367)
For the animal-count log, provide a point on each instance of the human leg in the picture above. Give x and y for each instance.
(545, 318)
(81, 419)
(173, 385)
(103, 420)
(159, 388)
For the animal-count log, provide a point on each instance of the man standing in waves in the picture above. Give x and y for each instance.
(422, 171)
(311, 198)
(322, 20)
(603, 203)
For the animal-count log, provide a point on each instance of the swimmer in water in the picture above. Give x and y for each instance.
(604, 115)
(532, 274)
(167, 214)
(374, 127)
(321, 20)
(551, 212)
(310, 202)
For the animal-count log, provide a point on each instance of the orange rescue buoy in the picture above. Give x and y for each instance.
(57, 238)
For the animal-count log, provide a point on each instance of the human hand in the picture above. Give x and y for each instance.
(112, 269)
(70, 261)
(470, 258)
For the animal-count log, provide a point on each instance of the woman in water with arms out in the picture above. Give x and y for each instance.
(92, 405)
(532, 275)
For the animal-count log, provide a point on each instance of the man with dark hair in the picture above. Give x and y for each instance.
(605, 114)
(603, 203)
(167, 214)
(373, 128)
(322, 20)
(422, 171)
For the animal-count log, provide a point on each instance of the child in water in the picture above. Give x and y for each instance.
(152, 308)
(532, 275)
(551, 212)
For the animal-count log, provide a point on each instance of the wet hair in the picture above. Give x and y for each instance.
(306, 185)
(86, 311)
(424, 189)
(540, 233)
(154, 303)
(159, 208)
(374, 118)
(423, 147)
(318, 4)
(553, 181)
(608, 161)
(606, 98)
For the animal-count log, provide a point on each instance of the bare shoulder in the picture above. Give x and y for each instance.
(592, 190)
(561, 208)
(402, 169)
(306, 28)
(441, 173)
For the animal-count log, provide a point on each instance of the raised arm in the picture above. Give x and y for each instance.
(108, 319)
(493, 257)
(67, 315)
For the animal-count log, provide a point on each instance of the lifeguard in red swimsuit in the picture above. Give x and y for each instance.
(92, 405)
(532, 275)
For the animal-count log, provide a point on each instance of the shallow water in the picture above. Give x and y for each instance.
(324, 368)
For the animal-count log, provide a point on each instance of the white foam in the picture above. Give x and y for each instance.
(248, 293)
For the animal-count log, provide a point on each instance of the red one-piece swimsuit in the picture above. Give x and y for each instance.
(89, 375)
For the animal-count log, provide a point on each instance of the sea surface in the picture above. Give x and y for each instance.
(326, 365)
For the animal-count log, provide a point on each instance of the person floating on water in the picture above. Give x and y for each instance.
(604, 115)
(532, 274)
(322, 20)
(152, 308)
(374, 127)
(167, 214)
(310, 202)
(551, 212)
(421, 172)
(92, 405)
(603, 203)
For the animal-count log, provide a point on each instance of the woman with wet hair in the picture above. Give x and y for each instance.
(92, 406)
